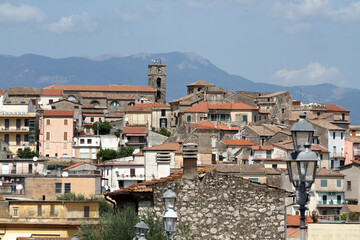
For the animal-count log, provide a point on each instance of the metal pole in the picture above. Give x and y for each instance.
(169, 235)
(302, 202)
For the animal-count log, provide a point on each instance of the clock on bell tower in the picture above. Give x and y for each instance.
(157, 80)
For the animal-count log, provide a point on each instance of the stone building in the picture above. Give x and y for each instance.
(157, 80)
(352, 181)
(217, 205)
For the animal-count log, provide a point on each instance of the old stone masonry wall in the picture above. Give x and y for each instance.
(221, 206)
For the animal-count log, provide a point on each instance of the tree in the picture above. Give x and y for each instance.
(107, 154)
(27, 153)
(164, 131)
(117, 133)
(102, 127)
(125, 152)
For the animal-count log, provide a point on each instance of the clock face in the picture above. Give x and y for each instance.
(159, 70)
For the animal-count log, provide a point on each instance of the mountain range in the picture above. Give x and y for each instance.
(31, 70)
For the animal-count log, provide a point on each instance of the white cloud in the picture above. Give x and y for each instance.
(298, 28)
(313, 73)
(22, 13)
(129, 17)
(73, 23)
(305, 9)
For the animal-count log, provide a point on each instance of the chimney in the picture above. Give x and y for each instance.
(190, 161)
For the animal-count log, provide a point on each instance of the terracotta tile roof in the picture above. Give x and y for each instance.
(211, 125)
(259, 147)
(92, 95)
(24, 91)
(52, 92)
(261, 131)
(200, 83)
(269, 159)
(114, 115)
(273, 128)
(356, 161)
(205, 106)
(93, 114)
(354, 139)
(16, 101)
(146, 107)
(272, 171)
(335, 108)
(353, 208)
(263, 112)
(58, 113)
(273, 94)
(147, 186)
(190, 96)
(73, 166)
(317, 147)
(239, 142)
(327, 172)
(166, 146)
(326, 124)
(103, 88)
(294, 232)
(134, 130)
(2, 91)
(294, 220)
(113, 96)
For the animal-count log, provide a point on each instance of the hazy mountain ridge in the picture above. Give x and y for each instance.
(182, 69)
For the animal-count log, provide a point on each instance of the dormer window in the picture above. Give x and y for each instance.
(95, 103)
(114, 103)
(71, 98)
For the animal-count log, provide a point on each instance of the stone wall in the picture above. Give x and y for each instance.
(221, 206)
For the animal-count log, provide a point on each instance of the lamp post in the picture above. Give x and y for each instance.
(141, 229)
(169, 215)
(301, 165)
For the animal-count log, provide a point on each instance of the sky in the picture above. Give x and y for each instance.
(286, 42)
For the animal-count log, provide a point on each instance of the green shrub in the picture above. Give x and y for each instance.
(27, 153)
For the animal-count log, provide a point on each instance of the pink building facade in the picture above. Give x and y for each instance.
(352, 149)
(56, 133)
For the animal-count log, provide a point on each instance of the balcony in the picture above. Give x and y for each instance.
(331, 203)
(337, 155)
(136, 143)
(15, 129)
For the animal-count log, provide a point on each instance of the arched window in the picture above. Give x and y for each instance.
(115, 103)
(158, 82)
(95, 103)
(131, 104)
(213, 97)
(158, 94)
(71, 98)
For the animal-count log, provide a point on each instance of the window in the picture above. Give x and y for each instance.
(65, 136)
(274, 166)
(30, 168)
(324, 212)
(132, 172)
(39, 210)
(92, 119)
(67, 188)
(26, 137)
(6, 138)
(283, 110)
(342, 135)
(52, 210)
(268, 154)
(338, 183)
(82, 141)
(47, 136)
(348, 187)
(26, 122)
(16, 212)
(86, 211)
(244, 118)
(51, 101)
(18, 123)
(162, 113)
(188, 118)
(95, 103)
(65, 122)
(18, 139)
(121, 184)
(47, 121)
(334, 135)
(7, 123)
(89, 141)
(323, 183)
(58, 187)
(158, 82)
(115, 103)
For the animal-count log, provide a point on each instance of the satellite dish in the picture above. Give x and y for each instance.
(224, 154)
(65, 174)
(126, 141)
(45, 173)
(35, 159)
(126, 119)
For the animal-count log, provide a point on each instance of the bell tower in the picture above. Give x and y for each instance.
(157, 80)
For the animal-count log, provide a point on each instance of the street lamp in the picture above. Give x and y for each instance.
(169, 198)
(141, 229)
(142, 237)
(169, 215)
(170, 219)
(301, 165)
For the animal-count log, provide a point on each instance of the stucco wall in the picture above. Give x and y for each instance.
(333, 231)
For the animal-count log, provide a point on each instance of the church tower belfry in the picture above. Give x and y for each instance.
(157, 80)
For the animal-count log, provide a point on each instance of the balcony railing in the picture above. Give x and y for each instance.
(337, 155)
(14, 129)
(331, 203)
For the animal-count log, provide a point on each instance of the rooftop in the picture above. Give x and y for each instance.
(200, 83)
(102, 88)
(24, 91)
(204, 107)
(52, 92)
(238, 142)
(58, 113)
(327, 172)
(134, 130)
(212, 126)
(326, 124)
(166, 146)
(335, 108)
